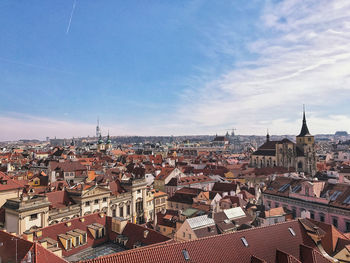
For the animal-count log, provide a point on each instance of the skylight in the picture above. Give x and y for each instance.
(283, 188)
(244, 241)
(296, 188)
(186, 255)
(347, 200)
(291, 231)
(335, 195)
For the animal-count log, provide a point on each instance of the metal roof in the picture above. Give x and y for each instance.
(200, 221)
(234, 213)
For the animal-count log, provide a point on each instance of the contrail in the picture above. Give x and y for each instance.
(71, 16)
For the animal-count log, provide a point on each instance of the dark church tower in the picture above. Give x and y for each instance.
(267, 136)
(306, 155)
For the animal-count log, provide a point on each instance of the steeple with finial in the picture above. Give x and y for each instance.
(267, 136)
(304, 129)
(108, 141)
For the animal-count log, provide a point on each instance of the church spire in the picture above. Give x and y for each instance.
(267, 136)
(304, 130)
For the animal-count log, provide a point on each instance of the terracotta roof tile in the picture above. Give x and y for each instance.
(262, 243)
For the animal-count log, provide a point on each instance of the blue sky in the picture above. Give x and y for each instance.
(173, 67)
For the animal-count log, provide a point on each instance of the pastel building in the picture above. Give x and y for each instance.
(318, 200)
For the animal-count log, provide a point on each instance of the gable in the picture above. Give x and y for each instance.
(95, 191)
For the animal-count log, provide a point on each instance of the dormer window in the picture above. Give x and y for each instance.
(97, 230)
(4, 182)
(66, 241)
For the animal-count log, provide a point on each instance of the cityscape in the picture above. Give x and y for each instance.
(185, 131)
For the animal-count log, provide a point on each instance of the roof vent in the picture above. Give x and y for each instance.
(244, 241)
(291, 231)
(186, 255)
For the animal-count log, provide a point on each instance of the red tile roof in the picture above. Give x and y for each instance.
(61, 228)
(8, 248)
(58, 199)
(166, 171)
(263, 244)
(7, 183)
(135, 233)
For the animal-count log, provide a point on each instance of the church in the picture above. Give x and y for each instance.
(299, 156)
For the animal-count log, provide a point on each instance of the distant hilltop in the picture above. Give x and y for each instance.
(341, 133)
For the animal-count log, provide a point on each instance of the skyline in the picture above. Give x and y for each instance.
(184, 68)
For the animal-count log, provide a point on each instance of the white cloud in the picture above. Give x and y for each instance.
(304, 57)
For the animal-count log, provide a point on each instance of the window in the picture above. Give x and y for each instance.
(335, 222)
(269, 204)
(138, 191)
(312, 215)
(104, 199)
(347, 226)
(128, 210)
(87, 203)
(33, 216)
(69, 244)
(322, 217)
(189, 236)
(114, 212)
(309, 139)
(277, 204)
(96, 202)
(275, 220)
(121, 211)
(294, 211)
(183, 234)
(163, 200)
(300, 165)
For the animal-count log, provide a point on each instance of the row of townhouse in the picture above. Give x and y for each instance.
(318, 200)
(131, 200)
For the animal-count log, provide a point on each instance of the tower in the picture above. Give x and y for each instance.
(98, 129)
(306, 159)
(108, 142)
(100, 144)
(267, 136)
